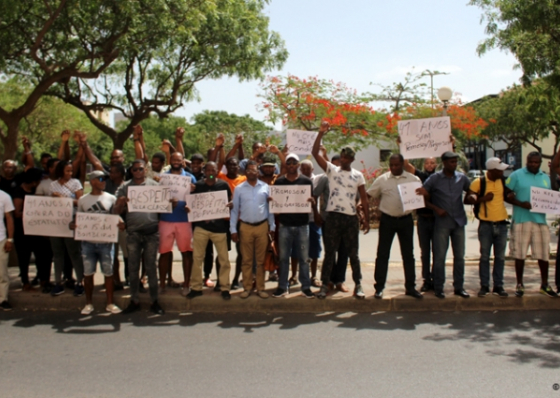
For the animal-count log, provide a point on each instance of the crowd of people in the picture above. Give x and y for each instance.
(283, 247)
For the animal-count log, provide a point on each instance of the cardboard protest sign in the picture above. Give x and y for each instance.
(46, 216)
(290, 199)
(425, 138)
(97, 227)
(180, 185)
(410, 200)
(149, 199)
(208, 206)
(545, 201)
(300, 141)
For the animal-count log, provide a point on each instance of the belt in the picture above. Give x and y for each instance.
(254, 224)
(396, 218)
(503, 222)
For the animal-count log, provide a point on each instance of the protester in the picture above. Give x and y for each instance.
(6, 246)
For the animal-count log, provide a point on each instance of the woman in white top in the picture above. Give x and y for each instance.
(67, 187)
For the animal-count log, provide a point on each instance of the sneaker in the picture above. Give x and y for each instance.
(57, 290)
(307, 293)
(88, 309)
(499, 291)
(208, 283)
(5, 306)
(519, 290)
(280, 293)
(226, 295)
(78, 290)
(113, 309)
(132, 307)
(156, 308)
(244, 294)
(194, 293)
(547, 290)
(484, 291)
(359, 292)
(262, 294)
(323, 292)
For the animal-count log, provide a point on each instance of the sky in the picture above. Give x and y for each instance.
(366, 43)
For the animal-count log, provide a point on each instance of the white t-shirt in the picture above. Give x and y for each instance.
(6, 206)
(44, 187)
(67, 190)
(343, 189)
(97, 203)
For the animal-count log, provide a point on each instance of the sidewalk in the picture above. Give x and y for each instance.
(393, 298)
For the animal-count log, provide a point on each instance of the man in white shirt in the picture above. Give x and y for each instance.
(6, 246)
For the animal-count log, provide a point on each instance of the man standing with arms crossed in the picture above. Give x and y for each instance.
(346, 185)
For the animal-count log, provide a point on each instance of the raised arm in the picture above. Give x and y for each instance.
(168, 149)
(274, 149)
(27, 157)
(218, 145)
(179, 133)
(139, 144)
(90, 156)
(240, 151)
(325, 126)
(64, 150)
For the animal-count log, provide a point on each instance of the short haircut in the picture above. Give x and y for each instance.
(59, 171)
(397, 156)
(45, 155)
(306, 161)
(251, 163)
(138, 161)
(210, 163)
(119, 168)
(32, 175)
(197, 156)
(160, 156)
(534, 154)
(335, 157)
(228, 160)
(51, 162)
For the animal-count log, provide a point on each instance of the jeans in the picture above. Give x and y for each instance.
(404, 228)
(74, 248)
(92, 253)
(286, 239)
(341, 228)
(441, 244)
(492, 234)
(425, 229)
(142, 246)
(38, 245)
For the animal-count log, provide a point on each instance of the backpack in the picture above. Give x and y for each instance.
(476, 207)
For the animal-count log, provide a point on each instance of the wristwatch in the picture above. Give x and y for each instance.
(11, 240)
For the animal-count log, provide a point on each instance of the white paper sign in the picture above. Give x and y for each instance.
(97, 227)
(290, 199)
(180, 185)
(208, 206)
(425, 138)
(45, 216)
(545, 201)
(149, 199)
(300, 141)
(410, 200)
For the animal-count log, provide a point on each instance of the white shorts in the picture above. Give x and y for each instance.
(530, 233)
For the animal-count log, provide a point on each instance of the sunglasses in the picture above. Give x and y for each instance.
(292, 162)
(134, 170)
(101, 179)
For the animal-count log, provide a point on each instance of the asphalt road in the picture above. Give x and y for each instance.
(63, 354)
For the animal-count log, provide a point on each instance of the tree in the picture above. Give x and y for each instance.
(404, 94)
(305, 103)
(528, 29)
(233, 39)
(52, 41)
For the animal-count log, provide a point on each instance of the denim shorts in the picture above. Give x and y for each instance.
(314, 241)
(98, 252)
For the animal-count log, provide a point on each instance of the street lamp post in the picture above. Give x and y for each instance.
(444, 94)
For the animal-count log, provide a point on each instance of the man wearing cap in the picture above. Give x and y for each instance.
(394, 220)
(99, 202)
(443, 191)
(490, 192)
(347, 186)
(293, 233)
(529, 228)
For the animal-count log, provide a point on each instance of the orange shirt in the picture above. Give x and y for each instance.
(232, 182)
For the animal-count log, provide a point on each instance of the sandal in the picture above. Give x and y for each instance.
(293, 281)
(316, 282)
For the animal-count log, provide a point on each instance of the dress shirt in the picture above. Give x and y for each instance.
(447, 194)
(250, 204)
(386, 187)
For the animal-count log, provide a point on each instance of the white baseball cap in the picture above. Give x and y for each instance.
(496, 164)
(292, 156)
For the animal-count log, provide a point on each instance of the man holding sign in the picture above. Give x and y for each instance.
(92, 252)
(394, 220)
(293, 231)
(529, 228)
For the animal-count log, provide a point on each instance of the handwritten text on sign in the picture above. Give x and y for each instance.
(149, 199)
(290, 199)
(425, 138)
(47, 216)
(208, 206)
(180, 185)
(300, 141)
(545, 201)
(410, 200)
(96, 227)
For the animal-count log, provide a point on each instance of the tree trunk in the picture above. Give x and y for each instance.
(10, 140)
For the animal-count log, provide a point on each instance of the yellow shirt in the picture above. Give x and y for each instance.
(495, 209)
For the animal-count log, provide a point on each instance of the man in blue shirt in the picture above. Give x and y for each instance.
(444, 195)
(529, 228)
(175, 227)
(250, 208)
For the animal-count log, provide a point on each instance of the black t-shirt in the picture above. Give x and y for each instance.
(20, 193)
(423, 175)
(294, 219)
(9, 186)
(220, 226)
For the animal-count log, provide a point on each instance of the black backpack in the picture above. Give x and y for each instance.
(476, 208)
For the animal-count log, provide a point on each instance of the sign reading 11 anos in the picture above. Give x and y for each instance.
(425, 138)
